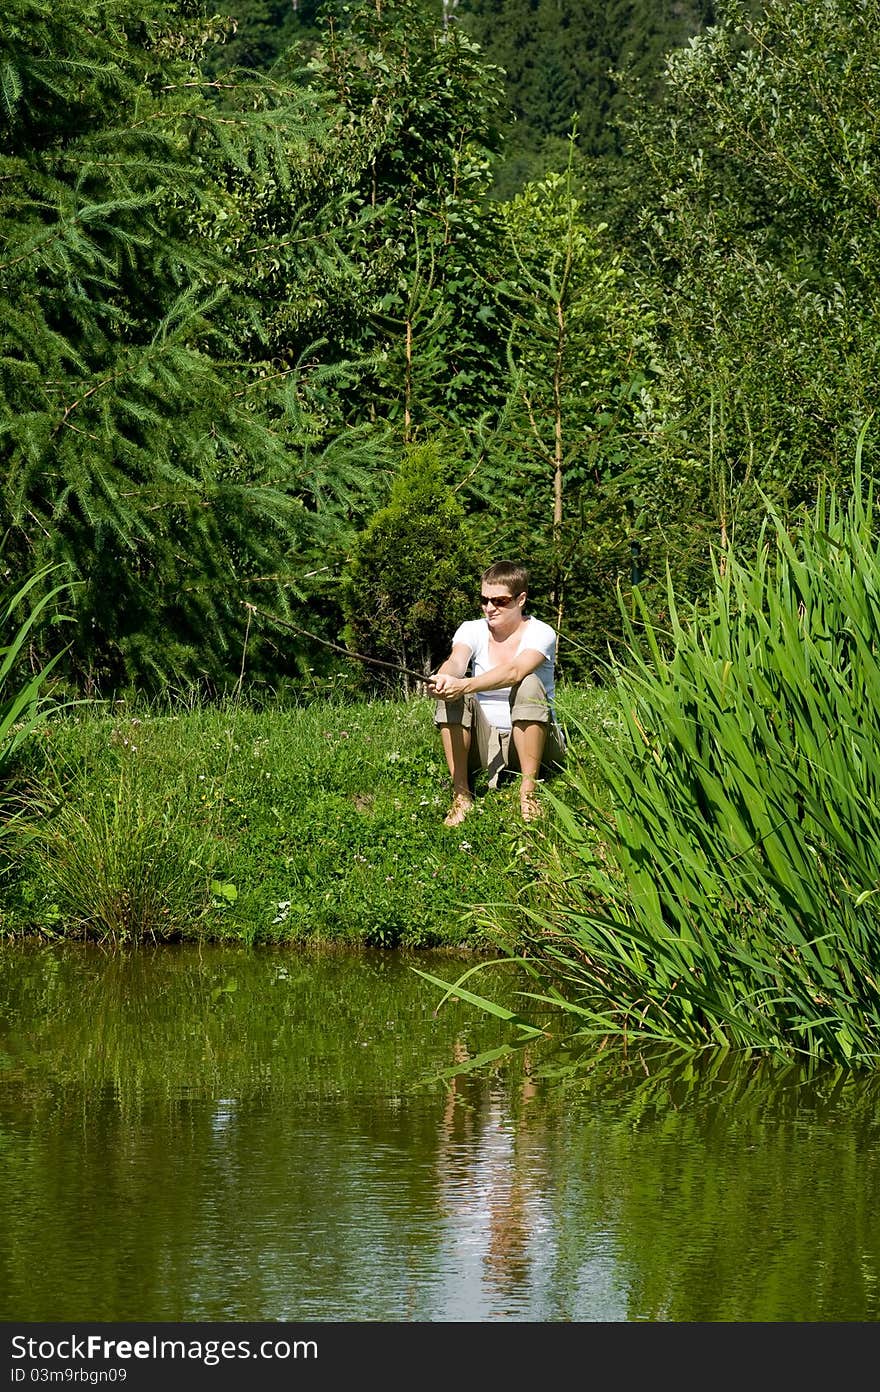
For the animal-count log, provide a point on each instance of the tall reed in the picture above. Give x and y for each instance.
(721, 885)
(22, 698)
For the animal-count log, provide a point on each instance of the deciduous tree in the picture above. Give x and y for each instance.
(753, 227)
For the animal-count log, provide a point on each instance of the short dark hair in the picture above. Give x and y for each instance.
(509, 573)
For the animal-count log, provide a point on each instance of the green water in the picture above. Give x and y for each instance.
(222, 1135)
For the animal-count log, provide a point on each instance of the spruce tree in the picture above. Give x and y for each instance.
(410, 578)
(143, 441)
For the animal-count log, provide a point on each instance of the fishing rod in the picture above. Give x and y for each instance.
(373, 661)
(347, 652)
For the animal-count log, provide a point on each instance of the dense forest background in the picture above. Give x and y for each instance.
(310, 310)
(561, 61)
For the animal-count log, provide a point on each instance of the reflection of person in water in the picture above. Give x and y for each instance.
(491, 1196)
(507, 1259)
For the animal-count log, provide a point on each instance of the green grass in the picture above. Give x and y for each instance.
(320, 823)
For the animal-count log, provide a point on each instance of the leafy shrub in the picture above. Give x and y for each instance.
(411, 577)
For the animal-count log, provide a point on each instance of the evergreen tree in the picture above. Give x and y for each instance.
(139, 444)
(409, 581)
(414, 107)
(558, 484)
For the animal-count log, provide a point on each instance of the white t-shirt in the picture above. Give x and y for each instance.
(534, 635)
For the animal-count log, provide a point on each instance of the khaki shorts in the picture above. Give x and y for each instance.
(493, 749)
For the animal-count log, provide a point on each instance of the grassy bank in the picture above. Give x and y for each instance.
(321, 823)
(706, 876)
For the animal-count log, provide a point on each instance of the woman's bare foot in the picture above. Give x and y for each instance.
(530, 807)
(462, 804)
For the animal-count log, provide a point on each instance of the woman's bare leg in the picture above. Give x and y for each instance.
(457, 747)
(529, 738)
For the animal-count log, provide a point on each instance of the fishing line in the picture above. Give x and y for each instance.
(347, 652)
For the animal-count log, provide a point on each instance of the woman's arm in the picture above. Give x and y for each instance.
(453, 684)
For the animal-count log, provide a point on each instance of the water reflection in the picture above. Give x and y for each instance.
(220, 1135)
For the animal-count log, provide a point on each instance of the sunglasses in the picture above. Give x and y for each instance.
(500, 601)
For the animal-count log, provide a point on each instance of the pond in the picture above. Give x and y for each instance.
(211, 1134)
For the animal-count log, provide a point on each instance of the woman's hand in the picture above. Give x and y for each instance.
(446, 687)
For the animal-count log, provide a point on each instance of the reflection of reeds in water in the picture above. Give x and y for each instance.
(646, 1084)
(685, 1171)
(176, 1019)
